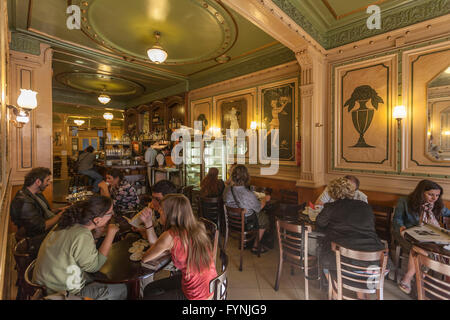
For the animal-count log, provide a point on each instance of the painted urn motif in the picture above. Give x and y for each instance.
(362, 117)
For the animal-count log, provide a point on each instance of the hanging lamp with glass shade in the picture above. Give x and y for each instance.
(108, 116)
(78, 122)
(156, 53)
(104, 98)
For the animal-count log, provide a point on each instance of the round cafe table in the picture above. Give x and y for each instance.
(428, 246)
(120, 269)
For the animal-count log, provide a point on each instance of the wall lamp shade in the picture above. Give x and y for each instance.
(27, 99)
(78, 122)
(253, 125)
(156, 53)
(108, 116)
(399, 112)
(104, 98)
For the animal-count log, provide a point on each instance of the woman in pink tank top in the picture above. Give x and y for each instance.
(191, 249)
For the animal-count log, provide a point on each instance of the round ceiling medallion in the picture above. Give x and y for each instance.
(99, 83)
(192, 31)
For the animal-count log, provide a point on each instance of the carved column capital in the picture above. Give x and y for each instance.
(304, 59)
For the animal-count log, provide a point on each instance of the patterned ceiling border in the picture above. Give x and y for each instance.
(330, 8)
(391, 20)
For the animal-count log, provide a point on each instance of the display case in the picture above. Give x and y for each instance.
(215, 156)
(199, 156)
(192, 160)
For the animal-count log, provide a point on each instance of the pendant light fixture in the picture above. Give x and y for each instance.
(156, 53)
(78, 122)
(108, 116)
(104, 98)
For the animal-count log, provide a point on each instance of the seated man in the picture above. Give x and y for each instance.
(358, 195)
(86, 166)
(29, 209)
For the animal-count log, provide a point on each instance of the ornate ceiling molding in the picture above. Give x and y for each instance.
(391, 20)
(95, 82)
(214, 9)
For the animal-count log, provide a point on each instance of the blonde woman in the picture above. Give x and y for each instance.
(191, 249)
(347, 222)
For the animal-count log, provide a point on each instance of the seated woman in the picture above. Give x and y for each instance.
(240, 196)
(423, 205)
(348, 222)
(325, 196)
(120, 190)
(69, 251)
(191, 249)
(211, 186)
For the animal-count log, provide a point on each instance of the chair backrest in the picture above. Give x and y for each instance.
(219, 284)
(210, 208)
(236, 219)
(187, 191)
(383, 220)
(22, 255)
(292, 248)
(213, 233)
(33, 290)
(289, 196)
(446, 222)
(430, 286)
(354, 277)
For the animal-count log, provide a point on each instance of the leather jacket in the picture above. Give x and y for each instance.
(28, 214)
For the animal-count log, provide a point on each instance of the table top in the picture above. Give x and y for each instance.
(119, 268)
(428, 246)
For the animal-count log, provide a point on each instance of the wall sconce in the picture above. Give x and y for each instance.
(399, 114)
(78, 122)
(253, 125)
(26, 102)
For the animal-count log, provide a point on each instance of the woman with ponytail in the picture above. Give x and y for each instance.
(69, 252)
(191, 249)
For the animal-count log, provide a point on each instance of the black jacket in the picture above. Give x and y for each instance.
(350, 223)
(27, 213)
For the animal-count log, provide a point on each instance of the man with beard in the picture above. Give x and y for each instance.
(29, 209)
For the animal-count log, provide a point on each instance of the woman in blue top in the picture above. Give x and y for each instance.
(423, 205)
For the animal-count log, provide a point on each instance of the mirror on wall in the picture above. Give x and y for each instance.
(438, 124)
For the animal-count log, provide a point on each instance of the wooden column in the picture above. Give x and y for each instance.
(312, 110)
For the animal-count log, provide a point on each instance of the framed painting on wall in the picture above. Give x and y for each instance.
(233, 114)
(279, 112)
(201, 111)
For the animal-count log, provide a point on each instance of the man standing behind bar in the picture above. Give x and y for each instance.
(29, 209)
(150, 159)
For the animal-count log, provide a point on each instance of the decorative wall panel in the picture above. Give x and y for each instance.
(363, 100)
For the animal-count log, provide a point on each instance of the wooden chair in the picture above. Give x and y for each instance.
(293, 244)
(33, 291)
(23, 258)
(219, 284)
(236, 229)
(446, 222)
(355, 278)
(430, 285)
(211, 229)
(383, 221)
(187, 191)
(211, 209)
(288, 196)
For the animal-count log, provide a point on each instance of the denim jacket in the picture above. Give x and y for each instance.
(403, 216)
